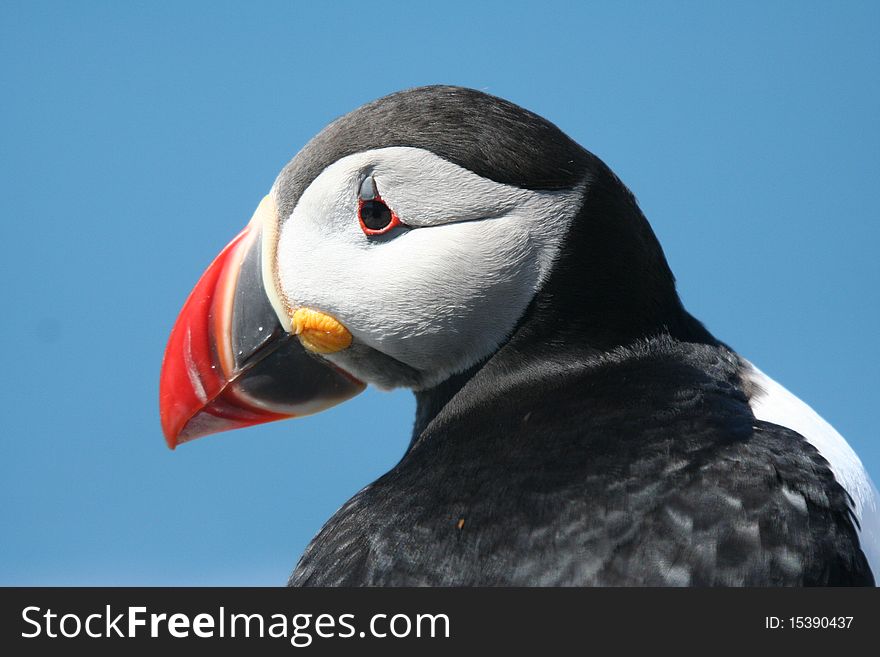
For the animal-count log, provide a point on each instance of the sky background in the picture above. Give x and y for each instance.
(138, 137)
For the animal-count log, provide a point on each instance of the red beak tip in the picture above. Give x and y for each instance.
(171, 436)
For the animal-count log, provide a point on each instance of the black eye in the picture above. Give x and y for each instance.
(375, 215)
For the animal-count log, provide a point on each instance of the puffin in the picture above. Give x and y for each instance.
(574, 425)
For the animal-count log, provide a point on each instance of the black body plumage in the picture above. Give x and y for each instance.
(609, 441)
(640, 466)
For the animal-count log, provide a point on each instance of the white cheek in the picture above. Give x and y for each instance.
(438, 297)
(447, 293)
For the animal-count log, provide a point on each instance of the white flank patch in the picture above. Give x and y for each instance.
(773, 403)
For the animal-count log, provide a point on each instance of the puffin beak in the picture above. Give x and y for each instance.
(231, 363)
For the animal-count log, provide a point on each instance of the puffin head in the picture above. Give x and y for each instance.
(405, 244)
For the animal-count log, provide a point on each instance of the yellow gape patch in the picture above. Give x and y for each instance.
(318, 332)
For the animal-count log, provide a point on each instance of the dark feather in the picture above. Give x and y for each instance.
(644, 466)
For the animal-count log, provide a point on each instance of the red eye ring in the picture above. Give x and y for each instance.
(393, 222)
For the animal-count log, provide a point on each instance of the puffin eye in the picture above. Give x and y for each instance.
(375, 217)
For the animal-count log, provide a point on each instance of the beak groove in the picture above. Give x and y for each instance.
(229, 362)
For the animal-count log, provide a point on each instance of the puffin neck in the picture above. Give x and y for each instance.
(611, 284)
(431, 401)
(610, 287)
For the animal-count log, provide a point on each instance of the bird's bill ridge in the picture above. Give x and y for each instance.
(231, 363)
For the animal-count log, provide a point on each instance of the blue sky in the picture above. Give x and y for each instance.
(139, 137)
